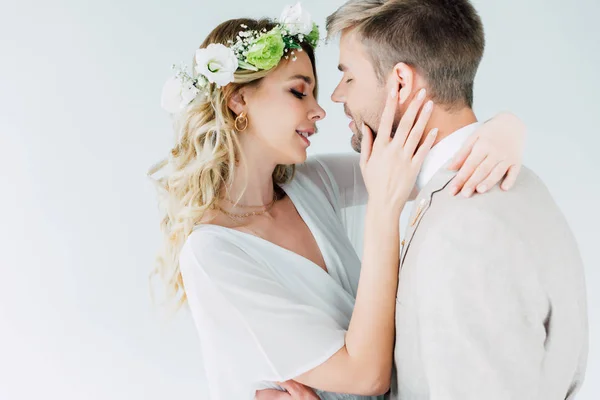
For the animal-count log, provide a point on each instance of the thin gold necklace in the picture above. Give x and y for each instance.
(238, 217)
(245, 227)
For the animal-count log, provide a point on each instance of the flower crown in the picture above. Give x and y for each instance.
(252, 50)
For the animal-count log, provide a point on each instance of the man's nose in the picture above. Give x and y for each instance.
(336, 96)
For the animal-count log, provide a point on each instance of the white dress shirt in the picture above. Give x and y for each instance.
(443, 152)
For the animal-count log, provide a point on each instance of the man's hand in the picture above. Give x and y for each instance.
(294, 391)
(298, 391)
(271, 394)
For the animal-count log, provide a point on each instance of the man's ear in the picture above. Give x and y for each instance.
(237, 102)
(405, 75)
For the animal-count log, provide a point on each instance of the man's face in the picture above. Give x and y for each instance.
(362, 94)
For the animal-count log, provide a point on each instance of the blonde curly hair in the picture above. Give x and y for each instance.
(203, 162)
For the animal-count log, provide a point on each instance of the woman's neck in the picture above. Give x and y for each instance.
(253, 179)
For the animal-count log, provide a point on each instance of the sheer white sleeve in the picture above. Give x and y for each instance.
(251, 328)
(340, 178)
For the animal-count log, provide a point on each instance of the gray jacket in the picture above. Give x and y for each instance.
(491, 299)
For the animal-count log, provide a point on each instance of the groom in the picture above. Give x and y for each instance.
(491, 299)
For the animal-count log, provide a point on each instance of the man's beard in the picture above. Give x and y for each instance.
(356, 139)
(372, 120)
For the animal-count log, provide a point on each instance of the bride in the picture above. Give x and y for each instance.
(254, 242)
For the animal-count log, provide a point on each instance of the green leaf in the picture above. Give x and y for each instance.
(245, 65)
(314, 35)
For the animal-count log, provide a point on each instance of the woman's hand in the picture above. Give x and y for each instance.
(391, 163)
(493, 153)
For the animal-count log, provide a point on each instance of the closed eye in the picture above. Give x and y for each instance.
(349, 80)
(297, 94)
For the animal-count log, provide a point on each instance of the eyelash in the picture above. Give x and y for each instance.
(349, 80)
(297, 94)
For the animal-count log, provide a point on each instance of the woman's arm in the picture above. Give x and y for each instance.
(390, 166)
(492, 154)
(363, 365)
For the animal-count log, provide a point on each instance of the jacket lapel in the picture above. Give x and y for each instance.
(422, 203)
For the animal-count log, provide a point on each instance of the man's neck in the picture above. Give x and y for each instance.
(449, 122)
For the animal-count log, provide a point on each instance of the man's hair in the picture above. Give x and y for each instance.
(442, 39)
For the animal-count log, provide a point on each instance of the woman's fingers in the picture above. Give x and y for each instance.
(416, 133)
(460, 157)
(493, 178)
(366, 145)
(387, 118)
(481, 172)
(408, 119)
(511, 177)
(466, 171)
(501, 137)
(426, 146)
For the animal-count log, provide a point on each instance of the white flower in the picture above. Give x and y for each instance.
(217, 63)
(296, 20)
(177, 93)
(188, 92)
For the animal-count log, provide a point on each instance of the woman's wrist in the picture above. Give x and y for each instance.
(383, 214)
(506, 119)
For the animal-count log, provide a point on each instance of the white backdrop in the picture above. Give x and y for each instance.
(80, 123)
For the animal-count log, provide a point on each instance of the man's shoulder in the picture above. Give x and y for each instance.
(518, 212)
(529, 190)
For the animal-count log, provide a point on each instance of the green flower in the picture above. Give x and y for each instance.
(313, 36)
(266, 51)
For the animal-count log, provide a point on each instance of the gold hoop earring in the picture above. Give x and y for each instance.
(241, 122)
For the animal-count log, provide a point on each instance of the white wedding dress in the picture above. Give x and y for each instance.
(265, 314)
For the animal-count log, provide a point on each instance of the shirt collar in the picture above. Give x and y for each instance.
(443, 152)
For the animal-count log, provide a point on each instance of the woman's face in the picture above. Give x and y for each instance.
(283, 111)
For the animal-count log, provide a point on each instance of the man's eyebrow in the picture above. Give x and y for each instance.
(342, 67)
(305, 78)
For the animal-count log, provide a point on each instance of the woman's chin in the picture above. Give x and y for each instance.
(301, 158)
(298, 157)
(292, 159)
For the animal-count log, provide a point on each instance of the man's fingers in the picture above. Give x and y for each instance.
(272, 394)
(298, 390)
(465, 172)
(460, 157)
(511, 177)
(289, 386)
